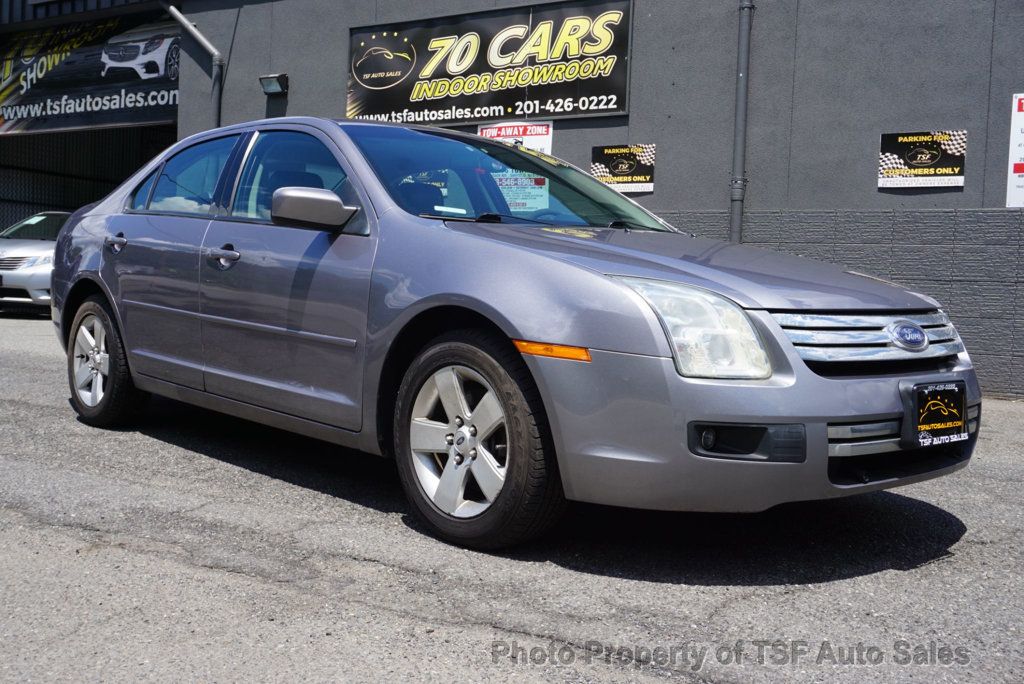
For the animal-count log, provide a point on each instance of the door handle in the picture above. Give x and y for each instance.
(115, 242)
(225, 257)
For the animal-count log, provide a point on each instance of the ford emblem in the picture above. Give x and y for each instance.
(908, 335)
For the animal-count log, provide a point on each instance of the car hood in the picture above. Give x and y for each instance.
(25, 248)
(145, 32)
(754, 278)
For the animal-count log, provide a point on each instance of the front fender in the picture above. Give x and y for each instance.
(421, 264)
(527, 293)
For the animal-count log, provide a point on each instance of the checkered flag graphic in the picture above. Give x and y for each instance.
(887, 161)
(957, 143)
(646, 155)
(599, 170)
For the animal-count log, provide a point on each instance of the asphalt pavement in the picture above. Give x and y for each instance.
(195, 546)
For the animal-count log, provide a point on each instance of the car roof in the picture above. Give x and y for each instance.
(311, 121)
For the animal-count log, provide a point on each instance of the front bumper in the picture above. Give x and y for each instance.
(620, 425)
(144, 66)
(26, 286)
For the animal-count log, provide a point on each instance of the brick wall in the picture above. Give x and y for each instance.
(971, 260)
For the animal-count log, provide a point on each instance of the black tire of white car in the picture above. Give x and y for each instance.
(121, 399)
(172, 62)
(531, 498)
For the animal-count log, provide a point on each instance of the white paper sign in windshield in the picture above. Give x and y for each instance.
(523, 192)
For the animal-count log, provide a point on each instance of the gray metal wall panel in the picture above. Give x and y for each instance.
(69, 170)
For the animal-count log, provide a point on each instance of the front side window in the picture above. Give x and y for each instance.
(439, 174)
(281, 159)
(189, 179)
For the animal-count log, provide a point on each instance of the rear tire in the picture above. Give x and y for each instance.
(102, 391)
(497, 448)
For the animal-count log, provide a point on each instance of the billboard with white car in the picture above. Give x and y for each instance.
(115, 72)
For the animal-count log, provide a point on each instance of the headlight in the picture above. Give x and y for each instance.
(710, 336)
(38, 261)
(152, 44)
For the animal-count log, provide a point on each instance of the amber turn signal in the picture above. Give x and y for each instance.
(556, 351)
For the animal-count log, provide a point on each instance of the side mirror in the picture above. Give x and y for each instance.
(313, 208)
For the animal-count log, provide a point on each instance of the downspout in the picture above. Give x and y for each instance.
(738, 182)
(216, 59)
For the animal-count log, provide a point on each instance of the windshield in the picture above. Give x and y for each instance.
(438, 174)
(38, 227)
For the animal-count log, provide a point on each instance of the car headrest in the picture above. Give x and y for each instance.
(299, 179)
(420, 198)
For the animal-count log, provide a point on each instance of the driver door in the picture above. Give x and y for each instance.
(284, 322)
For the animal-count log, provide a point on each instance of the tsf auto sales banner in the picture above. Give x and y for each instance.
(116, 72)
(545, 61)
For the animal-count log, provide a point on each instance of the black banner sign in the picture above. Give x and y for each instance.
(625, 168)
(923, 159)
(547, 61)
(116, 72)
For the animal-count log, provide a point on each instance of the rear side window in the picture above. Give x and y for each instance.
(141, 194)
(282, 159)
(189, 179)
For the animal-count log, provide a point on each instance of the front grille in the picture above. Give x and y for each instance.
(860, 453)
(860, 344)
(12, 263)
(122, 53)
(13, 293)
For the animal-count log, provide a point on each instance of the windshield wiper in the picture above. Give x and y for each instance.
(629, 225)
(486, 217)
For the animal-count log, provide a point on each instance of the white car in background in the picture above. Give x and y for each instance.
(150, 51)
(26, 259)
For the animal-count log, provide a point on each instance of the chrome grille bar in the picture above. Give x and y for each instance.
(889, 353)
(859, 439)
(12, 263)
(790, 320)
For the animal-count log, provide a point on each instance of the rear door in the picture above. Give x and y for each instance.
(284, 323)
(152, 258)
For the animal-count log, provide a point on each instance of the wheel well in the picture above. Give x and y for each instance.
(80, 291)
(416, 334)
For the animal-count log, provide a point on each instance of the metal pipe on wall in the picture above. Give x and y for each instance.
(216, 59)
(738, 182)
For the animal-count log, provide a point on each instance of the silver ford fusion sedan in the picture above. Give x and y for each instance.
(26, 260)
(509, 329)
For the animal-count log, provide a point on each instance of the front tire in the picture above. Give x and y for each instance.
(102, 391)
(472, 444)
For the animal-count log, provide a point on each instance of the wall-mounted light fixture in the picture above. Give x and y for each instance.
(274, 84)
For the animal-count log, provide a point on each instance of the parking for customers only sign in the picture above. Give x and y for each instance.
(922, 159)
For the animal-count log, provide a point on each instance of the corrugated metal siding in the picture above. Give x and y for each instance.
(68, 170)
(20, 11)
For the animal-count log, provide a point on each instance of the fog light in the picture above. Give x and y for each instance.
(708, 438)
(777, 443)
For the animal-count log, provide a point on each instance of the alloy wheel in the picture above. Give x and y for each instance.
(459, 441)
(91, 362)
(173, 61)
